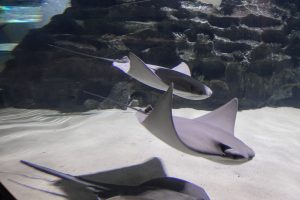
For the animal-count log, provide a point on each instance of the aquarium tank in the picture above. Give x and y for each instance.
(150, 99)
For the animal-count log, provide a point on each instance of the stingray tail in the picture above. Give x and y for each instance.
(114, 101)
(82, 54)
(93, 187)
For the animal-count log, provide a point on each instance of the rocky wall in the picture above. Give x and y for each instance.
(247, 49)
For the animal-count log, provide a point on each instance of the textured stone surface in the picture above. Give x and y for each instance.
(246, 49)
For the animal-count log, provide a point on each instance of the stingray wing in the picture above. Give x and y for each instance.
(183, 68)
(160, 122)
(223, 118)
(141, 72)
(186, 135)
(122, 66)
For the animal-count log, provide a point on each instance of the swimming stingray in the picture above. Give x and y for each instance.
(211, 134)
(156, 189)
(158, 77)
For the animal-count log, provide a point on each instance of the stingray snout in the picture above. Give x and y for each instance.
(208, 91)
(236, 155)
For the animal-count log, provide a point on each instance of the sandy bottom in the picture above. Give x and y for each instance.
(100, 141)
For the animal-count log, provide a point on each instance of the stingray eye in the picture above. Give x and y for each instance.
(223, 147)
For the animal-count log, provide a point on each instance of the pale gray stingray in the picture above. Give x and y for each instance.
(167, 188)
(158, 77)
(211, 134)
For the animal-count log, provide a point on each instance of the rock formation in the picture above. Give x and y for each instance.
(248, 49)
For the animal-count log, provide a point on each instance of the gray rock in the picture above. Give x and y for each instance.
(249, 49)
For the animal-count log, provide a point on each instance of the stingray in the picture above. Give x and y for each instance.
(158, 77)
(211, 135)
(167, 188)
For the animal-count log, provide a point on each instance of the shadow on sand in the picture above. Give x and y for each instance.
(132, 175)
(146, 181)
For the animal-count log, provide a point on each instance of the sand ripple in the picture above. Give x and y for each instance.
(103, 140)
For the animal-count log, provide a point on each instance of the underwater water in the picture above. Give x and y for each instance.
(17, 18)
(127, 91)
